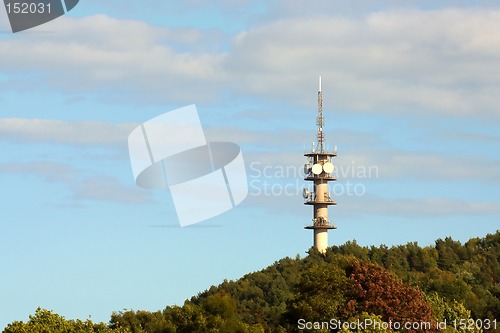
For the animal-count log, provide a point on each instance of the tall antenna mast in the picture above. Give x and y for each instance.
(319, 169)
(319, 120)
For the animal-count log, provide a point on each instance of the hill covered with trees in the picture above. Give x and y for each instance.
(402, 288)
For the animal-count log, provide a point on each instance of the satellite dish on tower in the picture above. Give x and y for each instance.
(328, 167)
(307, 169)
(306, 193)
(317, 169)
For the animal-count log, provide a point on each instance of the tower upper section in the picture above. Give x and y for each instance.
(319, 169)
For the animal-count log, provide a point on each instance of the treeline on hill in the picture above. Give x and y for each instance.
(404, 283)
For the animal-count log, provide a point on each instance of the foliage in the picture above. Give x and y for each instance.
(371, 324)
(377, 291)
(468, 273)
(320, 293)
(44, 321)
(448, 311)
(407, 283)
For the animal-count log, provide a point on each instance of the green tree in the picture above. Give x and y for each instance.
(449, 312)
(320, 293)
(347, 282)
(45, 321)
(370, 323)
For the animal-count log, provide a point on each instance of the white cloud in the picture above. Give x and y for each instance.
(396, 62)
(481, 138)
(90, 133)
(380, 165)
(417, 208)
(286, 149)
(424, 166)
(275, 200)
(101, 54)
(438, 61)
(83, 185)
(363, 151)
(105, 188)
(49, 171)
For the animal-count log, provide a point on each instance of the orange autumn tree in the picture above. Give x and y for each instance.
(375, 290)
(345, 288)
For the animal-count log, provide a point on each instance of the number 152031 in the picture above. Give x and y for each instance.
(28, 8)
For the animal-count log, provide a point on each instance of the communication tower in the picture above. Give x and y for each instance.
(318, 169)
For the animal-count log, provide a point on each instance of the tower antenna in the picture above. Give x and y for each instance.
(319, 169)
(319, 121)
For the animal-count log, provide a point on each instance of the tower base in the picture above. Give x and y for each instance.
(321, 237)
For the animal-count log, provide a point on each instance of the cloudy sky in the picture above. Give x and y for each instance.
(411, 100)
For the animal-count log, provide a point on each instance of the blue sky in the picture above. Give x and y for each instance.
(411, 90)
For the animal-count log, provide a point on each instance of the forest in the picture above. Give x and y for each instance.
(387, 287)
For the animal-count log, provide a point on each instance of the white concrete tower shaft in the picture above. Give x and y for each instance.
(319, 170)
